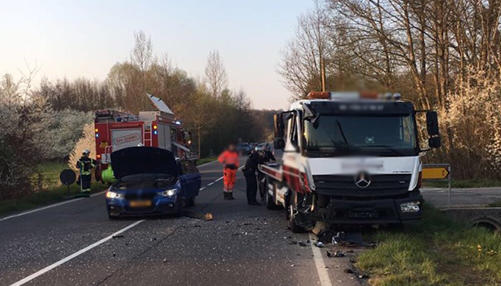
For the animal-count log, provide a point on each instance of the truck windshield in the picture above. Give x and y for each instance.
(336, 135)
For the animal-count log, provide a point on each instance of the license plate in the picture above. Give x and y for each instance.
(363, 214)
(139, 204)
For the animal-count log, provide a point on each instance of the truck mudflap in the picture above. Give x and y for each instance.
(380, 211)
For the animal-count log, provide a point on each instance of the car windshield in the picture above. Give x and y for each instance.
(365, 135)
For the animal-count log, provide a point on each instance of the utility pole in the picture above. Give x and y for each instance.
(322, 73)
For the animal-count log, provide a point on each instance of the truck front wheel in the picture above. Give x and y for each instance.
(292, 214)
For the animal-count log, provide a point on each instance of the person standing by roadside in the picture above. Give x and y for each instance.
(85, 165)
(230, 161)
(249, 171)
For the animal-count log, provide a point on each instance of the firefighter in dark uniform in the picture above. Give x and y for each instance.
(85, 165)
(249, 170)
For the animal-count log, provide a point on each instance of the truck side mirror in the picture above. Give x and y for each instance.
(432, 123)
(434, 142)
(278, 125)
(279, 143)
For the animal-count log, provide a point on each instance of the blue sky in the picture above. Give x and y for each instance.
(85, 38)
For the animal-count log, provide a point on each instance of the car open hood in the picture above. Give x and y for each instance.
(143, 160)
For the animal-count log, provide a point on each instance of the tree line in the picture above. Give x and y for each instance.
(44, 122)
(441, 54)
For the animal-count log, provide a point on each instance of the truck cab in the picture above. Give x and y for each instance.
(349, 158)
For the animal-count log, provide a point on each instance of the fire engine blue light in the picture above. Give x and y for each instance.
(97, 135)
(155, 132)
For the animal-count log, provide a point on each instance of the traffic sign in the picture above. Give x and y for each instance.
(436, 173)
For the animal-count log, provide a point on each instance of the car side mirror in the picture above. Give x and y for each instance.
(279, 143)
(432, 123)
(434, 142)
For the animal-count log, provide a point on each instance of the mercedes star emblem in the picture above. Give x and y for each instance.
(362, 180)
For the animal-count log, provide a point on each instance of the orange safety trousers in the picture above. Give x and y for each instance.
(231, 163)
(229, 177)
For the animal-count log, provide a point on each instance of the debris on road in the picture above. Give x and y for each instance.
(348, 270)
(350, 239)
(337, 253)
(319, 244)
(208, 217)
(302, 243)
(117, 236)
(198, 215)
(357, 274)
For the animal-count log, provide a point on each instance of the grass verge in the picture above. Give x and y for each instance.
(206, 160)
(496, 204)
(434, 251)
(470, 183)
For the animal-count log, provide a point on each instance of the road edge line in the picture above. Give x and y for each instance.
(323, 275)
(70, 257)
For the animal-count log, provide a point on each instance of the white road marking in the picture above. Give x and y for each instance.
(320, 265)
(48, 207)
(68, 258)
(210, 184)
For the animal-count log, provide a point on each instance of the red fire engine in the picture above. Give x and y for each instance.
(115, 130)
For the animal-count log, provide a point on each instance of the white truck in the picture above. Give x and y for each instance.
(348, 158)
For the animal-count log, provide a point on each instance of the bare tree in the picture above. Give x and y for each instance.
(304, 58)
(142, 53)
(215, 74)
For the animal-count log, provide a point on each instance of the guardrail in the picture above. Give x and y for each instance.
(439, 172)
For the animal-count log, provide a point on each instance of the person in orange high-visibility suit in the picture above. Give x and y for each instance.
(229, 159)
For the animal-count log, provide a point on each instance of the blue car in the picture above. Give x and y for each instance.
(150, 181)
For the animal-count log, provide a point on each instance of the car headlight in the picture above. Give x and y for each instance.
(169, 193)
(114, 195)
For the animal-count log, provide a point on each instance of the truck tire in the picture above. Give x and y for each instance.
(270, 204)
(293, 225)
(291, 214)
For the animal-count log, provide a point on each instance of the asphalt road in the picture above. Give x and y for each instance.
(72, 244)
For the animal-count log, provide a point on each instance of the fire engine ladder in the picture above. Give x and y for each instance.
(147, 135)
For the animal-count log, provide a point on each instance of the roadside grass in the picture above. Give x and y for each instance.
(496, 204)
(469, 183)
(206, 160)
(433, 251)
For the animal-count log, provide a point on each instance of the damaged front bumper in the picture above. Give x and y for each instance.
(159, 206)
(372, 211)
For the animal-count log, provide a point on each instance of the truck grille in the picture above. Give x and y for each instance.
(344, 186)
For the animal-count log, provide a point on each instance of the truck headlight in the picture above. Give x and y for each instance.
(114, 195)
(410, 207)
(169, 193)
